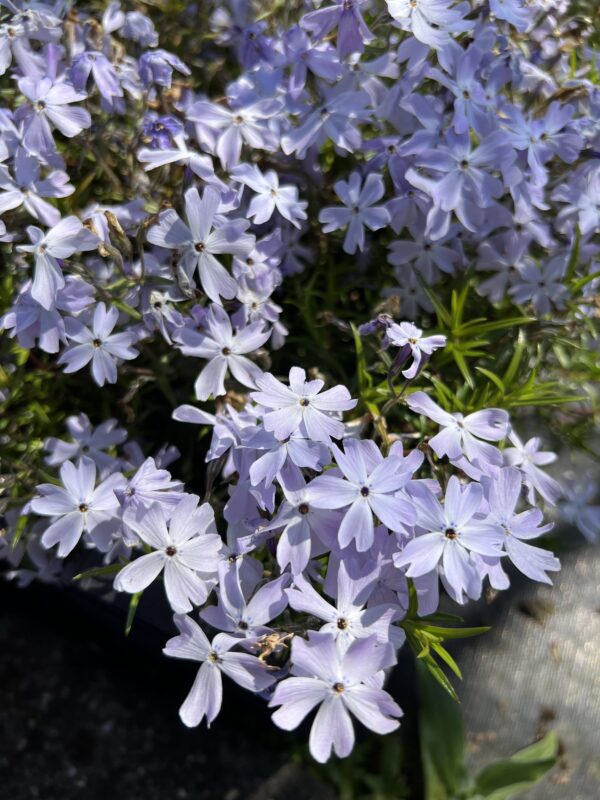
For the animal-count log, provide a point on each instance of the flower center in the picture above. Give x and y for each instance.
(342, 623)
(96, 343)
(170, 551)
(450, 533)
(338, 688)
(304, 401)
(213, 657)
(199, 247)
(226, 351)
(83, 507)
(243, 626)
(364, 491)
(303, 508)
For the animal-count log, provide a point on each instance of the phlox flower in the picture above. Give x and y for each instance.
(78, 504)
(302, 404)
(340, 685)
(246, 618)
(50, 105)
(371, 485)
(352, 31)
(98, 345)
(360, 210)
(269, 195)
(349, 618)
(87, 441)
(411, 342)
(503, 493)
(187, 551)
(462, 435)
(225, 350)
(62, 240)
(206, 694)
(432, 22)
(528, 457)
(198, 243)
(229, 129)
(451, 532)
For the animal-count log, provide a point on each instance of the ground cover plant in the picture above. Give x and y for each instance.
(299, 304)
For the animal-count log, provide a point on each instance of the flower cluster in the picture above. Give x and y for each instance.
(428, 141)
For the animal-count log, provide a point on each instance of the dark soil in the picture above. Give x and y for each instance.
(85, 713)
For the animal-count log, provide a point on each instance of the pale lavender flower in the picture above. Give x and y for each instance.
(302, 404)
(295, 449)
(99, 345)
(198, 244)
(427, 257)
(149, 484)
(180, 153)
(305, 528)
(432, 22)
(411, 341)
(87, 441)
(582, 196)
(156, 66)
(467, 186)
(340, 684)
(50, 105)
(544, 138)
(27, 189)
(360, 210)
(102, 71)
(503, 492)
(336, 120)
(205, 697)
(352, 31)
(246, 618)
(529, 458)
(140, 28)
(228, 130)
(349, 618)
(28, 320)
(303, 55)
(516, 12)
(79, 506)
(66, 237)
(269, 195)
(578, 506)
(451, 532)
(187, 551)
(542, 286)
(372, 486)
(462, 435)
(226, 350)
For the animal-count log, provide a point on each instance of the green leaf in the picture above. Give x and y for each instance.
(133, 604)
(475, 328)
(365, 381)
(98, 572)
(506, 779)
(494, 378)
(447, 658)
(455, 633)
(441, 739)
